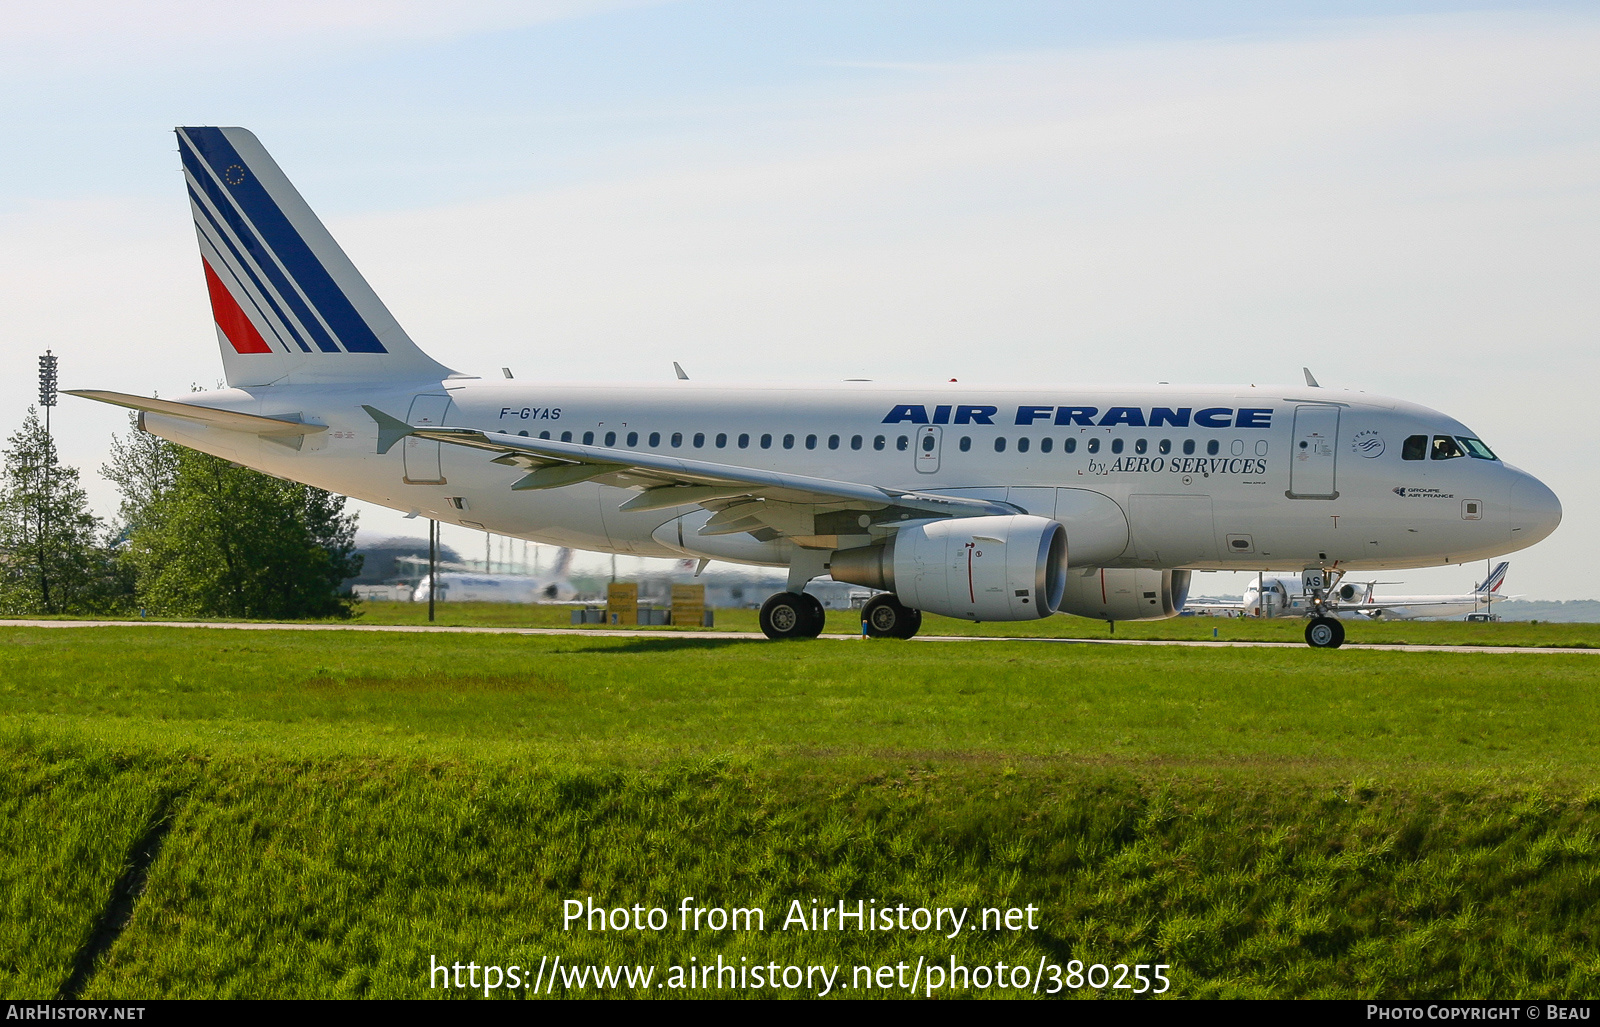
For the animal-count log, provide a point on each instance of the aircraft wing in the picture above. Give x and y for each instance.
(1415, 604)
(766, 503)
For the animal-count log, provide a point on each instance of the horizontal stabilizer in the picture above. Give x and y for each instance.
(285, 425)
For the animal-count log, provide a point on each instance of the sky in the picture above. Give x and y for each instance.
(1404, 197)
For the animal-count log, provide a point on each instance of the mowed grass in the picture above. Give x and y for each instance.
(346, 805)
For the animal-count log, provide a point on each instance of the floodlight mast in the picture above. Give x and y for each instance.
(47, 399)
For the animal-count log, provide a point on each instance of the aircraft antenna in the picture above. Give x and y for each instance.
(1309, 379)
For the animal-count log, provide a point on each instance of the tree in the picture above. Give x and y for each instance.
(208, 538)
(51, 557)
(143, 466)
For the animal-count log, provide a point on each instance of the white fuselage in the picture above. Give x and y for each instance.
(1247, 477)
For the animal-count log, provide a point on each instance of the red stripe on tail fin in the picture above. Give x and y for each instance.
(231, 318)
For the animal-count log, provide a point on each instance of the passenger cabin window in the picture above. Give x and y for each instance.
(677, 439)
(611, 438)
(902, 443)
(788, 442)
(833, 442)
(744, 441)
(1045, 445)
(1188, 447)
(699, 439)
(928, 443)
(722, 440)
(588, 438)
(878, 442)
(633, 438)
(999, 444)
(855, 442)
(965, 444)
(544, 435)
(1022, 444)
(1415, 447)
(811, 442)
(1093, 446)
(1069, 446)
(1164, 446)
(1140, 446)
(1446, 448)
(1213, 446)
(1116, 445)
(766, 442)
(655, 439)
(566, 436)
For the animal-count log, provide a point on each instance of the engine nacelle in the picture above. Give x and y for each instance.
(1125, 594)
(977, 568)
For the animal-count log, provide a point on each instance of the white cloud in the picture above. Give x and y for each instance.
(66, 35)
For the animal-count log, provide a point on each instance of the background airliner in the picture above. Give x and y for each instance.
(976, 502)
(1286, 596)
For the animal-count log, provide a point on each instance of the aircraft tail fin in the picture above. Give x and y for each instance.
(1496, 578)
(563, 568)
(289, 305)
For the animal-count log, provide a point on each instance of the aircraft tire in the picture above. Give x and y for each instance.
(791, 615)
(818, 615)
(1324, 633)
(885, 616)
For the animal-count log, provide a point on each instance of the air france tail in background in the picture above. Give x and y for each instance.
(290, 307)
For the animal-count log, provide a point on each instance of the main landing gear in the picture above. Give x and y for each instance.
(792, 615)
(885, 617)
(1324, 633)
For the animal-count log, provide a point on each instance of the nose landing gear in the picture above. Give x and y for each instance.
(1324, 633)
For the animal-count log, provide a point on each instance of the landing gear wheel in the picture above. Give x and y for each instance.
(1324, 633)
(885, 617)
(814, 610)
(791, 615)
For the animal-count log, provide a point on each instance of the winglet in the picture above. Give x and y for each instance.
(390, 429)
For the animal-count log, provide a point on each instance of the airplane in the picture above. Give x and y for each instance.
(971, 501)
(463, 586)
(1276, 596)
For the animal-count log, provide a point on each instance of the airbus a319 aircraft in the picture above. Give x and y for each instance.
(974, 502)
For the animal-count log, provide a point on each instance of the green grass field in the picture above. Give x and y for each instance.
(339, 808)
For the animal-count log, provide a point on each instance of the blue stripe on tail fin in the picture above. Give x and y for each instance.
(285, 274)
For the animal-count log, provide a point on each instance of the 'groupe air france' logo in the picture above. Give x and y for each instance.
(1368, 444)
(233, 174)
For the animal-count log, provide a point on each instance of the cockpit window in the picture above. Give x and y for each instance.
(1476, 449)
(1414, 448)
(1445, 448)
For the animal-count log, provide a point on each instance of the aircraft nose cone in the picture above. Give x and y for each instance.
(1535, 511)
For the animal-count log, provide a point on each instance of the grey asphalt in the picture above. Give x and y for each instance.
(754, 636)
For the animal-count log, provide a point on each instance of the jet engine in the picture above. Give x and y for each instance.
(978, 568)
(1125, 594)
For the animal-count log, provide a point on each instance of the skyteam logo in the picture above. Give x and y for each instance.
(1368, 444)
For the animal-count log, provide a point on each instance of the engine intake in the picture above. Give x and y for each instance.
(978, 568)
